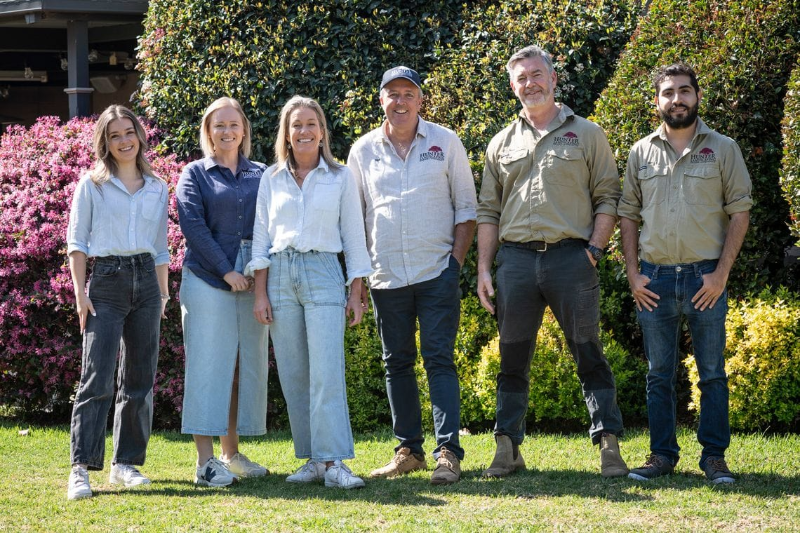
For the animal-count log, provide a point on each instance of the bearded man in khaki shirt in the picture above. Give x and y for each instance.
(549, 202)
(688, 188)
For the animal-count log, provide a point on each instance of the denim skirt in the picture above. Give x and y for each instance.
(218, 326)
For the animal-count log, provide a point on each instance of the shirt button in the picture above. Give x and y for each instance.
(677, 269)
(240, 217)
(240, 200)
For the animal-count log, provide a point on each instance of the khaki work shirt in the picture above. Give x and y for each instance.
(548, 187)
(684, 201)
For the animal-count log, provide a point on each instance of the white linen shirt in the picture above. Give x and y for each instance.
(108, 220)
(411, 206)
(323, 216)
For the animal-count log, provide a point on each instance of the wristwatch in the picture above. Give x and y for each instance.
(596, 253)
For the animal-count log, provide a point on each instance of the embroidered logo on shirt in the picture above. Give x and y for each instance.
(250, 174)
(568, 138)
(434, 152)
(706, 155)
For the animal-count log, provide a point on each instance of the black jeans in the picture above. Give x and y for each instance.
(127, 300)
(563, 278)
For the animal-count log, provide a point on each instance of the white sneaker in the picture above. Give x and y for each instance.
(340, 476)
(240, 465)
(127, 475)
(78, 486)
(309, 472)
(214, 474)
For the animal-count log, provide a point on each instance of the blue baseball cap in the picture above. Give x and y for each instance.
(401, 72)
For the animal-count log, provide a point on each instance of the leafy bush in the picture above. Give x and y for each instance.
(40, 345)
(790, 171)
(743, 52)
(762, 361)
(555, 394)
(264, 51)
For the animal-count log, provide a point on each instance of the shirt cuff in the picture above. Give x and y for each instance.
(465, 215)
(606, 209)
(77, 247)
(259, 263)
(738, 206)
(489, 219)
(162, 259)
(360, 273)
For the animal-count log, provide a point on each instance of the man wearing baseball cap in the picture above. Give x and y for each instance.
(419, 203)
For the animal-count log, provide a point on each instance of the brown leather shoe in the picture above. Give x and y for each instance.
(611, 462)
(448, 468)
(403, 462)
(507, 459)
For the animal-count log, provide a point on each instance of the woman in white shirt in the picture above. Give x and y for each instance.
(118, 217)
(306, 214)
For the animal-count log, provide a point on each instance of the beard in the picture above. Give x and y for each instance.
(679, 123)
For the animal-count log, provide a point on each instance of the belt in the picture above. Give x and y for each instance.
(543, 246)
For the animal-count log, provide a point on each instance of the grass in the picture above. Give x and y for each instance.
(562, 490)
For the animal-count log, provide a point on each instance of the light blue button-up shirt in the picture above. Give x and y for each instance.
(108, 220)
(323, 216)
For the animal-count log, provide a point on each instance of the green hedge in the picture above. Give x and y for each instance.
(790, 171)
(262, 52)
(743, 52)
(762, 362)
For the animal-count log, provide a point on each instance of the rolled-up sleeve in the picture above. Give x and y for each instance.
(604, 177)
(79, 229)
(351, 219)
(462, 184)
(736, 181)
(261, 240)
(630, 205)
(491, 191)
(191, 214)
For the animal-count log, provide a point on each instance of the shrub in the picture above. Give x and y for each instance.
(743, 52)
(264, 51)
(555, 392)
(40, 345)
(762, 361)
(790, 170)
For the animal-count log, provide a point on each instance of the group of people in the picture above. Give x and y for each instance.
(263, 252)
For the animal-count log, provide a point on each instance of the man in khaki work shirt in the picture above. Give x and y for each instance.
(549, 201)
(688, 188)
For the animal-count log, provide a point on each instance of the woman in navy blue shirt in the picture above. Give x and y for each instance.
(225, 388)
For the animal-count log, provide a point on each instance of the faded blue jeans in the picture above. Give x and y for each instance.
(127, 301)
(676, 285)
(563, 278)
(306, 292)
(437, 305)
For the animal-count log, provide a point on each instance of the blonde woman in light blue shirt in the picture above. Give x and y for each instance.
(307, 213)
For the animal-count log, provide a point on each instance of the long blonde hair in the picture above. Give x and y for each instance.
(283, 153)
(206, 143)
(105, 164)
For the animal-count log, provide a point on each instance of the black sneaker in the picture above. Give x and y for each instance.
(656, 465)
(717, 471)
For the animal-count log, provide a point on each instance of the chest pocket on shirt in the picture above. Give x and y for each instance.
(326, 195)
(514, 162)
(702, 185)
(653, 182)
(153, 205)
(565, 167)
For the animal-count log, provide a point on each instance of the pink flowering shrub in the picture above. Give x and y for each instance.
(40, 342)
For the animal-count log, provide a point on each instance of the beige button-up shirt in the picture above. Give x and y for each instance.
(411, 206)
(548, 187)
(684, 201)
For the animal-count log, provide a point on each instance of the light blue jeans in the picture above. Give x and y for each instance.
(218, 325)
(306, 291)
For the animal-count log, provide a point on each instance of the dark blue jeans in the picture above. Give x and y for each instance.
(127, 301)
(437, 305)
(527, 283)
(676, 285)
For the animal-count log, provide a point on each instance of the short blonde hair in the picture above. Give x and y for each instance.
(283, 153)
(206, 143)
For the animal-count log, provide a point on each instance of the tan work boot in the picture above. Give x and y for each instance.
(403, 462)
(611, 462)
(507, 459)
(448, 468)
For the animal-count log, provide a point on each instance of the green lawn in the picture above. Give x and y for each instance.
(562, 490)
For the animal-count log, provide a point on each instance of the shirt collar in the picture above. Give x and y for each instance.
(422, 131)
(564, 113)
(243, 164)
(701, 129)
(322, 164)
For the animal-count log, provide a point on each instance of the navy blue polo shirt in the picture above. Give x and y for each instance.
(216, 210)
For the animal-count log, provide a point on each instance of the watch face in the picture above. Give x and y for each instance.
(596, 252)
